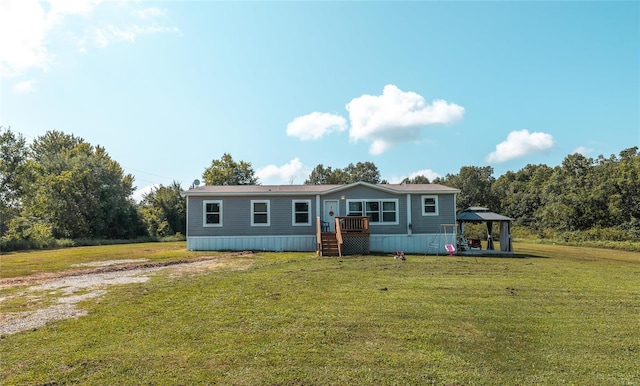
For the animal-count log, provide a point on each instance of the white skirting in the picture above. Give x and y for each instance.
(252, 243)
(421, 244)
(414, 244)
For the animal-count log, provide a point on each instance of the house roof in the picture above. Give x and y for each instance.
(240, 190)
(478, 214)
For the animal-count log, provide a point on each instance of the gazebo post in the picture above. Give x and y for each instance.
(489, 235)
(505, 236)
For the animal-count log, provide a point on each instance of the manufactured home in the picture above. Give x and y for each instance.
(355, 218)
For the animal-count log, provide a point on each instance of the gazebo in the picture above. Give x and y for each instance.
(477, 214)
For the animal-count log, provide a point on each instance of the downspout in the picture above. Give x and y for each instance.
(186, 228)
(409, 226)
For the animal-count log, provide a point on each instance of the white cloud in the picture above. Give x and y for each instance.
(28, 29)
(23, 28)
(396, 116)
(72, 7)
(315, 125)
(139, 194)
(430, 174)
(520, 144)
(148, 13)
(25, 87)
(111, 34)
(582, 150)
(293, 172)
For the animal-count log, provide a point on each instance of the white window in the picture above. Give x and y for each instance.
(301, 212)
(354, 208)
(389, 211)
(212, 213)
(429, 205)
(260, 213)
(378, 211)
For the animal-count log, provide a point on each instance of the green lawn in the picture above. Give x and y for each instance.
(14, 264)
(564, 315)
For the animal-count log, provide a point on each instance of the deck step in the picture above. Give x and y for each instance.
(329, 244)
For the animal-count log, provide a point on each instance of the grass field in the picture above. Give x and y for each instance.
(14, 264)
(562, 315)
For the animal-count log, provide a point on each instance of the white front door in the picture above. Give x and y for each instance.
(331, 210)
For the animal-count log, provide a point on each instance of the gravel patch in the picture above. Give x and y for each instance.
(72, 284)
(92, 285)
(13, 322)
(107, 263)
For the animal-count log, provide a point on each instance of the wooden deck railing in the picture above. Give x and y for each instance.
(349, 225)
(353, 224)
(338, 236)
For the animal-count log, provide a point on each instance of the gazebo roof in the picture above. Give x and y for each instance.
(478, 214)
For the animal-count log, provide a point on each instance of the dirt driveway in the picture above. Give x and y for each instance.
(55, 296)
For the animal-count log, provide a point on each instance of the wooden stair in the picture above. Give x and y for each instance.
(329, 244)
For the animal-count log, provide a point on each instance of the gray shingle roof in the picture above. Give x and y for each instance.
(212, 190)
(476, 213)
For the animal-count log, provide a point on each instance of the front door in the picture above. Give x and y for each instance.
(331, 210)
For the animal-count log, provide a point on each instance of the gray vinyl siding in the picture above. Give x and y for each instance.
(236, 217)
(236, 214)
(431, 224)
(365, 193)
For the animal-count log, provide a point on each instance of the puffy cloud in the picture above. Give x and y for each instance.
(292, 172)
(396, 116)
(315, 125)
(520, 144)
(384, 120)
(430, 174)
(25, 87)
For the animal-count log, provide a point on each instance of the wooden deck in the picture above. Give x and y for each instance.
(354, 230)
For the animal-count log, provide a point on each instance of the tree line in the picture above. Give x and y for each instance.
(60, 189)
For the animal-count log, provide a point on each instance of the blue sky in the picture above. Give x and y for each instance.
(414, 87)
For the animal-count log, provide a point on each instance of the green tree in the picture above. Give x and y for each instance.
(615, 193)
(323, 176)
(626, 181)
(79, 190)
(475, 184)
(361, 171)
(13, 161)
(164, 211)
(567, 195)
(226, 171)
(520, 193)
(415, 180)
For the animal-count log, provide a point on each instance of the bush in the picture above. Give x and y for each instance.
(86, 242)
(27, 233)
(177, 237)
(609, 238)
(65, 243)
